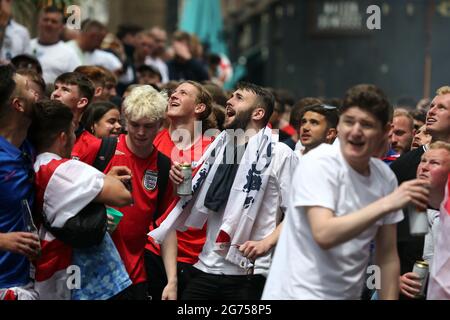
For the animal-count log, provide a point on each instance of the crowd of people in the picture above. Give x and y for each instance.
(289, 199)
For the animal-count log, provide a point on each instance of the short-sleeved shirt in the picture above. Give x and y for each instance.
(97, 57)
(86, 148)
(15, 42)
(130, 237)
(55, 59)
(63, 188)
(300, 268)
(16, 168)
(191, 241)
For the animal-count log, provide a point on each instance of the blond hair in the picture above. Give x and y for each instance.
(443, 90)
(145, 102)
(440, 145)
(400, 112)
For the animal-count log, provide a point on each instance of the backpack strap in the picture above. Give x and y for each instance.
(163, 164)
(105, 153)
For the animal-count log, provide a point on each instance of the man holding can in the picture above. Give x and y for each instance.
(410, 248)
(184, 142)
(341, 200)
(434, 167)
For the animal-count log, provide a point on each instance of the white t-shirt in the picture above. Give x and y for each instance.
(431, 236)
(299, 148)
(269, 216)
(55, 59)
(300, 268)
(15, 42)
(439, 281)
(97, 58)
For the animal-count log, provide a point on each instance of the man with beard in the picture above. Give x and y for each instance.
(402, 131)
(241, 190)
(63, 188)
(17, 246)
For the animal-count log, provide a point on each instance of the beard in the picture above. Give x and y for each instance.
(240, 121)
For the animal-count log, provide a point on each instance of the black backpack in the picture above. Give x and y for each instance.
(88, 227)
(164, 164)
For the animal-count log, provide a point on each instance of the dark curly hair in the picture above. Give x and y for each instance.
(371, 99)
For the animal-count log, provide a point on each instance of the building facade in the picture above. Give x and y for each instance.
(322, 47)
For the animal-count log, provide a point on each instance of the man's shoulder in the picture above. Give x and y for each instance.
(86, 146)
(88, 138)
(324, 151)
(408, 156)
(163, 142)
(162, 137)
(282, 149)
(406, 166)
(19, 28)
(382, 170)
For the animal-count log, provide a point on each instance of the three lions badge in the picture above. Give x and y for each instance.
(150, 180)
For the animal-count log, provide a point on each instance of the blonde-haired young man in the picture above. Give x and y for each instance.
(144, 111)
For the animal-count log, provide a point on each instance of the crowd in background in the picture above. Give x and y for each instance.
(327, 184)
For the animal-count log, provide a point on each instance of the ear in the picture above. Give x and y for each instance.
(258, 114)
(82, 103)
(331, 135)
(17, 105)
(199, 108)
(61, 142)
(62, 139)
(98, 91)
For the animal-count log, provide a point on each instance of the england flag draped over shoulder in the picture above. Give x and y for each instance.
(439, 284)
(63, 188)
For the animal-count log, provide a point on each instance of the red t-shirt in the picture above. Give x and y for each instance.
(130, 236)
(191, 241)
(86, 148)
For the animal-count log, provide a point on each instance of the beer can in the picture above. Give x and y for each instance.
(185, 188)
(421, 269)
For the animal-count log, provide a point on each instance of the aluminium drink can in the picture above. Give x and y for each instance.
(185, 188)
(421, 269)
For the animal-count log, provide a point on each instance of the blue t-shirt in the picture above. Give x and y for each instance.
(103, 274)
(16, 184)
